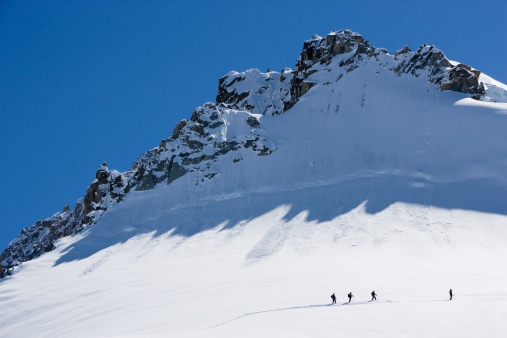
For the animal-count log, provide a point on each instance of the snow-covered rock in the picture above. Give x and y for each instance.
(259, 93)
(213, 131)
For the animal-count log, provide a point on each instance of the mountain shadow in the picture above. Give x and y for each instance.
(320, 204)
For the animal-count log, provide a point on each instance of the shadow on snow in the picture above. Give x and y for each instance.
(323, 203)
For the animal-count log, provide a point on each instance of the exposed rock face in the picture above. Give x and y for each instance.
(463, 79)
(320, 51)
(459, 78)
(253, 121)
(353, 51)
(108, 187)
(176, 132)
(249, 90)
(426, 57)
(40, 238)
(243, 99)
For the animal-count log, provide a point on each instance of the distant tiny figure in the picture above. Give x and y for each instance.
(373, 296)
(333, 297)
(450, 293)
(350, 295)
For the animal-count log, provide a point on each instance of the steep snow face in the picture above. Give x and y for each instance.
(495, 91)
(245, 220)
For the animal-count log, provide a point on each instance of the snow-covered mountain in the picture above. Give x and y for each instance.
(358, 169)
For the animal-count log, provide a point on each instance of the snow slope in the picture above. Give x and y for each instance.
(496, 91)
(377, 181)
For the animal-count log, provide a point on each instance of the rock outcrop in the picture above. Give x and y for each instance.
(464, 79)
(34, 241)
(353, 50)
(272, 93)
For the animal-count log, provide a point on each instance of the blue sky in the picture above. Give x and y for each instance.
(83, 82)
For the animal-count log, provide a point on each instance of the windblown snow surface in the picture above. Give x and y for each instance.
(378, 182)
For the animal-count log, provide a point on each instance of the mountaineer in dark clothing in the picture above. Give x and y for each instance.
(350, 295)
(333, 297)
(450, 293)
(373, 296)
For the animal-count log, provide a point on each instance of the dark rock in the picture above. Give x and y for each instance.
(402, 51)
(253, 121)
(194, 144)
(147, 182)
(215, 125)
(249, 143)
(224, 96)
(214, 115)
(175, 171)
(264, 151)
(102, 173)
(177, 129)
(426, 57)
(320, 50)
(463, 79)
(90, 197)
(194, 160)
(198, 128)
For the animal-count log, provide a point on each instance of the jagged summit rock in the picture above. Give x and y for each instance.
(249, 90)
(427, 60)
(232, 128)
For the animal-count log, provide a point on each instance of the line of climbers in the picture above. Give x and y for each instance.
(373, 296)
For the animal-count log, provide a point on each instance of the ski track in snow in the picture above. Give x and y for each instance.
(349, 304)
(321, 306)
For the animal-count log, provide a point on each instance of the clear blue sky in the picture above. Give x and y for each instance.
(83, 82)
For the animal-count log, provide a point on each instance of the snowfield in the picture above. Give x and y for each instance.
(378, 182)
(227, 282)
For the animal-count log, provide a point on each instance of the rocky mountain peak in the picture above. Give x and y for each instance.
(232, 127)
(353, 51)
(272, 93)
(321, 50)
